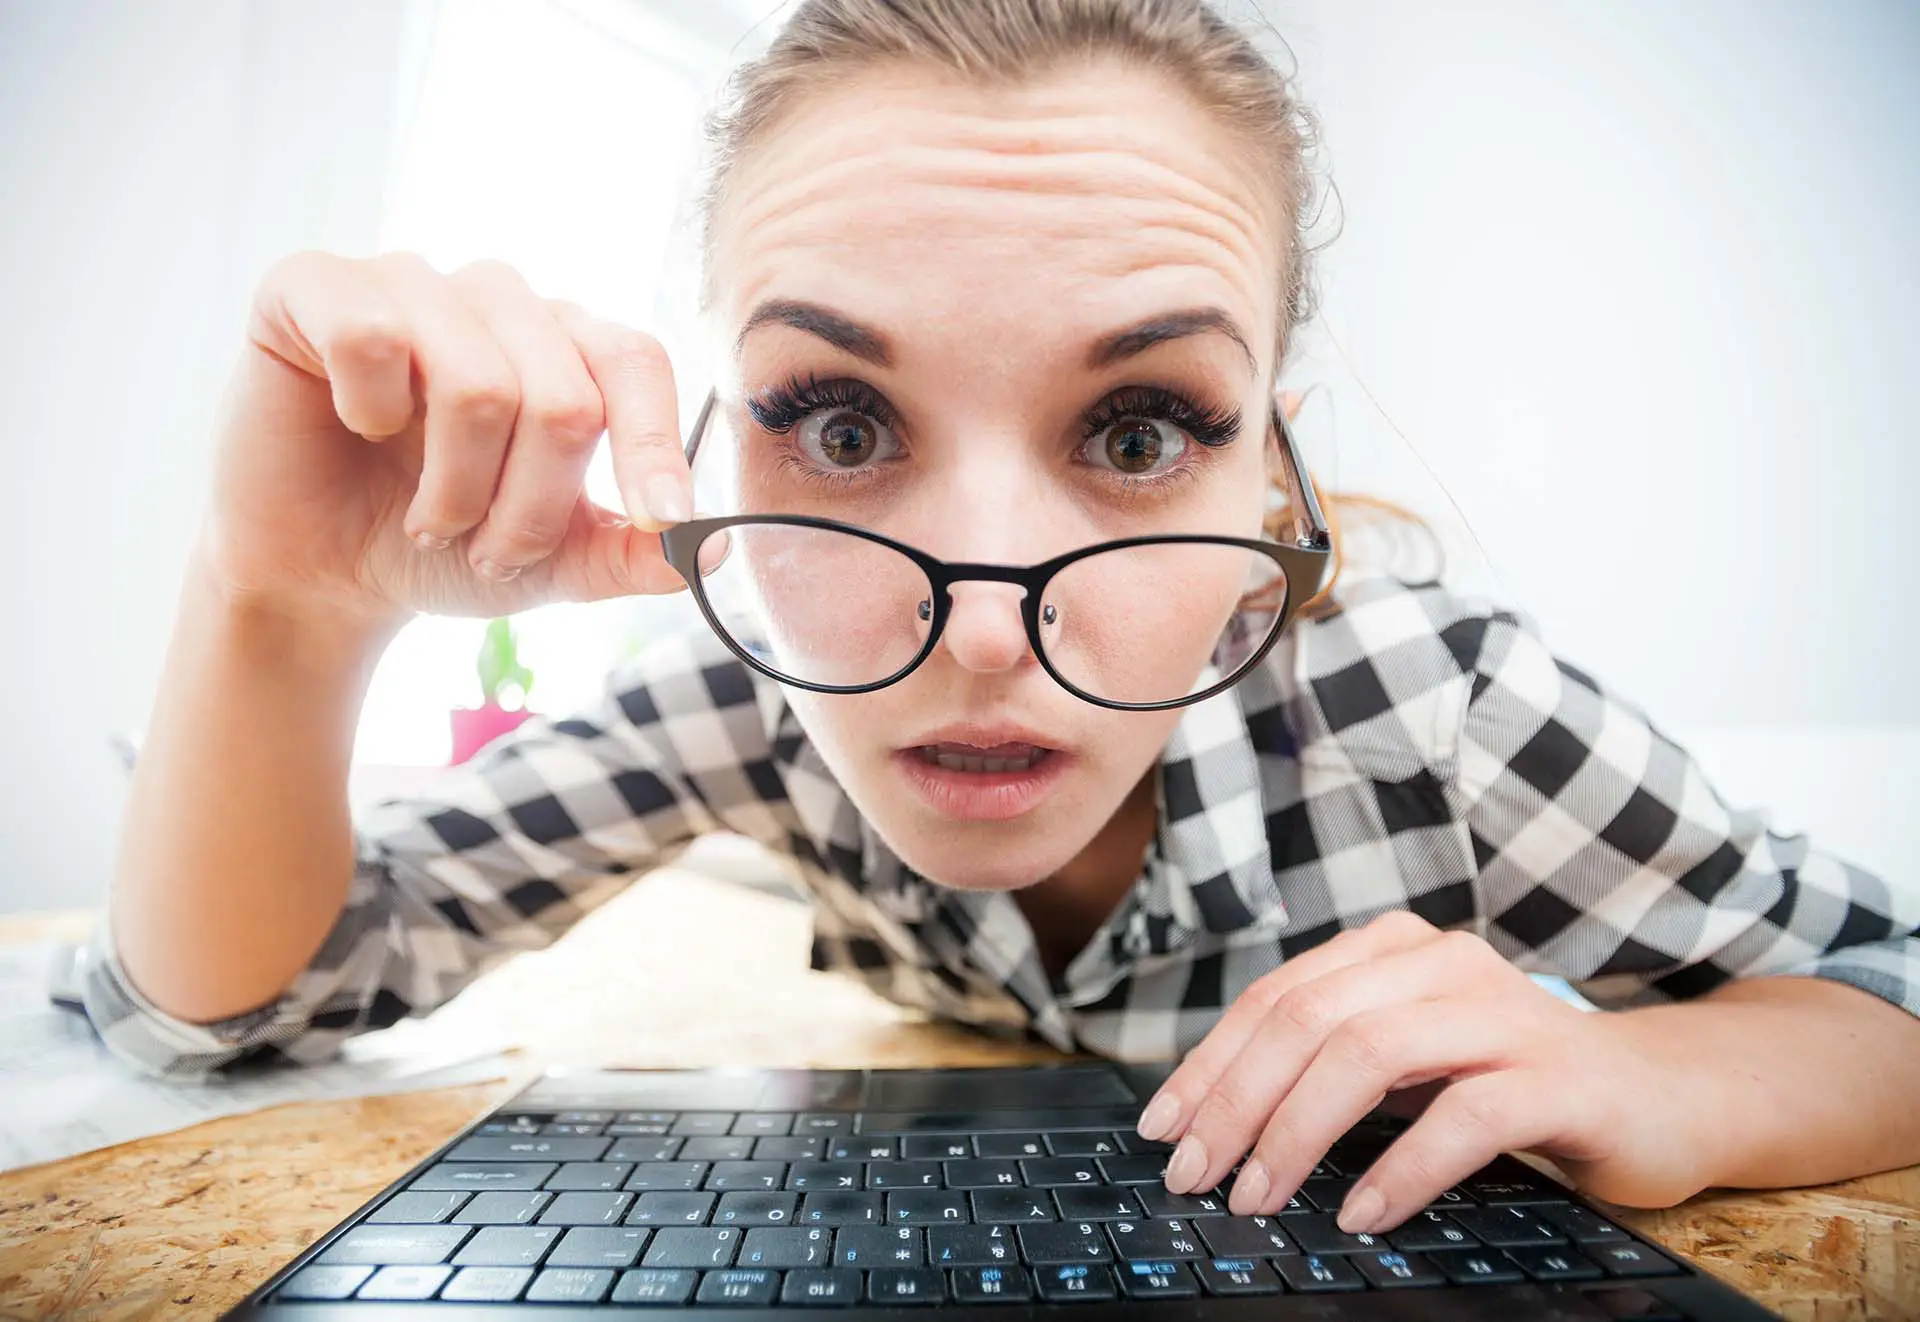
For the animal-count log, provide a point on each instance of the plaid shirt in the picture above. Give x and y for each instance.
(1412, 750)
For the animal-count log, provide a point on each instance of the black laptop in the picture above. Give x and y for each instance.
(998, 1193)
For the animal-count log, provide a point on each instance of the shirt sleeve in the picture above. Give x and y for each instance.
(1604, 855)
(500, 855)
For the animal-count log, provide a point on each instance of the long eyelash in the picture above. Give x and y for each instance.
(1211, 427)
(779, 408)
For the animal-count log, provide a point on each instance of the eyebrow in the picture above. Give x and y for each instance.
(870, 346)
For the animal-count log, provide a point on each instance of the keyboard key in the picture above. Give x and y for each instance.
(1101, 1203)
(754, 1209)
(991, 1285)
(819, 1288)
(629, 1131)
(1430, 1230)
(1502, 1227)
(686, 1246)
(1448, 1199)
(589, 1176)
(758, 1124)
(1134, 1170)
(903, 1175)
(988, 1174)
(790, 1149)
(416, 1209)
(716, 1149)
(598, 1246)
(893, 1285)
(1244, 1236)
(652, 1285)
(1478, 1266)
(839, 1208)
(926, 1207)
(645, 1149)
(1134, 1146)
(1555, 1264)
(749, 1175)
(676, 1175)
(741, 1288)
(501, 1209)
(808, 1176)
(1158, 1280)
(1159, 1202)
(671, 1209)
(323, 1283)
(1390, 1270)
(404, 1283)
(1074, 1285)
(703, 1124)
(936, 1147)
(1009, 1145)
(487, 1285)
(1580, 1224)
(586, 1209)
(1237, 1276)
(1064, 1241)
(1149, 1241)
(1056, 1172)
(585, 1117)
(501, 1147)
(1083, 1145)
(1317, 1232)
(996, 1205)
(478, 1175)
(646, 1117)
(507, 1246)
(823, 1124)
(570, 1129)
(846, 1147)
(570, 1285)
(1319, 1274)
(788, 1246)
(1631, 1260)
(971, 1246)
(381, 1246)
(877, 1246)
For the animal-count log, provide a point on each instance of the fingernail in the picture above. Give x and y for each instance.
(1361, 1212)
(1187, 1167)
(667, 500)
(426, 541)
(1158, 1119)
(1250, 1190)
(497, 572)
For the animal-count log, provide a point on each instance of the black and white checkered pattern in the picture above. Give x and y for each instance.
(1413, 750)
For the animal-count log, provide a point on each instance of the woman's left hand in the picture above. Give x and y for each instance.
(1312, 1047)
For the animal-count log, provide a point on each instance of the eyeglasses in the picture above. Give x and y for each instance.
(1136, 624)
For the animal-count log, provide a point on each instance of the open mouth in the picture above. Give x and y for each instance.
(981, 782)
(999, 758)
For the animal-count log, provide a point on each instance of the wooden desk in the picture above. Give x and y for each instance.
(187, 1224)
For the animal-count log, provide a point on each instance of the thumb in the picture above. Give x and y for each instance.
(603, 555)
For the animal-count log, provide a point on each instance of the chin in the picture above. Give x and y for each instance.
(978, 862)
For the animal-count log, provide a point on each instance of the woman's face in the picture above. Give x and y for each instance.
(999, 324)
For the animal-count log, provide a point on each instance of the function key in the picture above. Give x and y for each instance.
(646, 1117)
(1073, 1285)
(829, 1285)
(741, 1287)
(906, 1285)
(1237, 1276)
(654, 1285)
(405, 1283)
(570, 1285)
(487, 1285)
(1085, 1144)
(823, 1124)
(1319, 1274)
(990, 1285)
(571, 1127)
(703, 1124)
(323, 1283)
(649, 1129)
(936, 1147)
(763, 1124)
(1158, 1280)
(1010, 1145)
(584, 1117)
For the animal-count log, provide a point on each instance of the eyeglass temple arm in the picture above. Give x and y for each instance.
(1300, 491)
(699, 429)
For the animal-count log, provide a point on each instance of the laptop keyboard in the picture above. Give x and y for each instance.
(758, 1209)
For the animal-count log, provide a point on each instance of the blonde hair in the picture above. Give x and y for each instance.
(1011, 41)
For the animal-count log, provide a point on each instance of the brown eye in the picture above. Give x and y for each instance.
(1136, 447)
(844, 439)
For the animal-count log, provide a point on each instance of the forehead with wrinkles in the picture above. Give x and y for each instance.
(1007, 214)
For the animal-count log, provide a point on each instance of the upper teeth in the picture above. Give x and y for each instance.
(954, 762)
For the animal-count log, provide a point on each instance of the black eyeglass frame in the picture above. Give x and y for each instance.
(1303, 562)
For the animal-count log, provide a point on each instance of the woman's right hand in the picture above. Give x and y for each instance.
(396, 440)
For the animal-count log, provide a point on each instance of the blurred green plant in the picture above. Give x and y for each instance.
(501, 672)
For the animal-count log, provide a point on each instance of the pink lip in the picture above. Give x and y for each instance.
(980, 796)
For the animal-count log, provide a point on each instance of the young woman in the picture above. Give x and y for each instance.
(999, 283)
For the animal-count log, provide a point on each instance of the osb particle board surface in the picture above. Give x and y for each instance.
(187, 1224)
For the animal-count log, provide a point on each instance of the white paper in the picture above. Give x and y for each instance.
(62, 1092)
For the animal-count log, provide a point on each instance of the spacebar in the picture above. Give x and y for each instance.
(949, 1122)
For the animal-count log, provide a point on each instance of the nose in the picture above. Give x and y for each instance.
(984, 632)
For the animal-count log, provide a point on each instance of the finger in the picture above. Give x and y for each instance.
(1365, 1058)
(1467, 1126)
(1172, 1108)
(643, 428)
(1292, 1033)
(554, 435)
(322, 314)
(472, 398)
(604, 555)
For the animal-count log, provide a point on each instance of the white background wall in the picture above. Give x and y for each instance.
(1636, 281)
